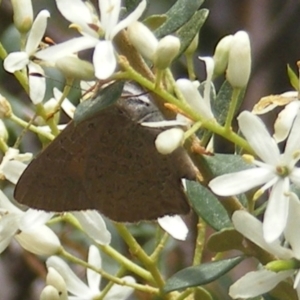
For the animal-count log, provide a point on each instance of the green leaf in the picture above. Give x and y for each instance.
(207, 206)
(225, 240)
(189, 30)
(220, 164)
(178, 15)
(100, 101)
(220, 104)
(202, 274)
(294, 81)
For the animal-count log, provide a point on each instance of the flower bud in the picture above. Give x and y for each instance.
(50, 293)
(40, 241)
(239, 61)
(221, 55)
(169, 140)
(23, 14)
(73, 67)
(167, 49)
(5, 108)
(142, 39)
(55, 280)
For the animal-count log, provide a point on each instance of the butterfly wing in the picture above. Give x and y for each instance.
(108, 162)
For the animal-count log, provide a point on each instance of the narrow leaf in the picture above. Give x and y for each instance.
(189, 30)
(178, 15)
(202, 274)
(207, 206)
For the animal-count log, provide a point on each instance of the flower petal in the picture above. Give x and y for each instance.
(291, 232)
(74, 284)
(118, 292)
(12, 170)
(257, 283)
(109, 15)
(8, 228)
(240, 182)
(132, 17)
(37, 84)
(15, 61)
(258, 137)
(33, 218)
(175, 226)
(94, 225)
(275, 217)
(209, 64)
(285, 120)
(94, 278)
(193, 98)
(252, 229)
(67, 48)
(293, 141)
(104, 60)
(295, 176)
(37, 32)
(78, 13)
(6, 204)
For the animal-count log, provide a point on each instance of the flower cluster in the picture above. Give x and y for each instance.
(274, 158)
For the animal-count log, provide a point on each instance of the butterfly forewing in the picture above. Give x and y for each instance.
(109, 163)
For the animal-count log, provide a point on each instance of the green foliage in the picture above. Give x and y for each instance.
(202, 274)
(178, 15)
(207, 206)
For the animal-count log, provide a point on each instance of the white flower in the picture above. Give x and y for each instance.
(261, 281)
(12, 165)
(276, 171)
(27, 227)
(91, 290)
(17, 61)
(104, 58)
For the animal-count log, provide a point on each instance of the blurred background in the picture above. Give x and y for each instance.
(273, 27)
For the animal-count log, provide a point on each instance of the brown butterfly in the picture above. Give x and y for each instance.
(106, 160)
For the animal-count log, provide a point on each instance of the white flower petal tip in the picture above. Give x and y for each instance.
(175, 226)
(169, 140)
